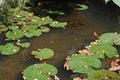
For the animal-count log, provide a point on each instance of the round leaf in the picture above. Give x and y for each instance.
(100, 50)
(39, 72)
(103, 75)
(9, 49)
(83, 63)
(110, 38)
(15, 34)
(24, 45)
(44, 53)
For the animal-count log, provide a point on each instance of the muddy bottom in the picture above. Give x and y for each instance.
(77, 34)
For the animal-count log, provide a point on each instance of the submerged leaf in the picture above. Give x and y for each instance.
(9, 49)
(39, 72)
(100, 50)
(44, 53)
(103, 75)
(83, 63)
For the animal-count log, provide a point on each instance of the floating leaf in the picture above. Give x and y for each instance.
(24, 45)
(44, 53)
(13, 27)
(14, 34)
(32, 33)
(3, 28)
(117, 2)
(9, 49)
(29, 28)
(83, 63)
(100, 50)
(44, 29)
(39, 72)
(110, 38)
(80, 7)
(103, 75)
(45, 20)
(57, 24)
(106, 1)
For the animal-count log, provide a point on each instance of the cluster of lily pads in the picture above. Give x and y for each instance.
(42, 71)
(20, 24)
(89, 60)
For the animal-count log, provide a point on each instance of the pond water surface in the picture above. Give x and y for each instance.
(64, 42)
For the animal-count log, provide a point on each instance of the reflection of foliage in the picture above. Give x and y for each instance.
(9, 49)
(39, 72)
(104, 75)
(44, 53)
(83, 63)
(100, 50)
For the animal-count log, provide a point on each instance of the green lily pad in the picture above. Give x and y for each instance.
(83, 63)
(3, 28)
(14, 34)
(110, 38)
(57, 24)
(100, 50)
(80, 7)
(24, 45)
(39, 72)
(32, 33)
(45, 20)
(13, 27)
(103, 75)
(29, 28)
(9, 49)
(44, 53)
(44, 29)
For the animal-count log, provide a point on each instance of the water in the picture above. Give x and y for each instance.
(64, 42)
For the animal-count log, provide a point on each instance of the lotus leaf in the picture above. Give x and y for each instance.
(83, 63)
(24, 45)
(57, 24)
(100, 50)
(14, 34)
(44, 53)
(9, 49)
(103, 75)
(39, 72)
(32, 33)
(45, 20)
(110, 38)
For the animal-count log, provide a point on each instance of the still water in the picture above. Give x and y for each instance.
(64, 42)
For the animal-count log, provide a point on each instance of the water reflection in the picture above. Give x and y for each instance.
(77, 34)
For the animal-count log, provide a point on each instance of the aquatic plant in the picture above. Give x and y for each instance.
(83, 63)
(9, 49)
(14, 34)
(57, 24)
(39, 72)
(117, 2)
(44, 53)
(3, 28)
(110, 38)
(23, 45)
(103, 75)
(102, 50)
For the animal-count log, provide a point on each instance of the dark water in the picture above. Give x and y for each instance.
(78, 33)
